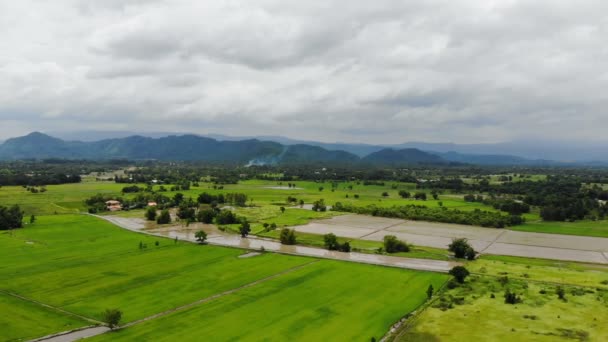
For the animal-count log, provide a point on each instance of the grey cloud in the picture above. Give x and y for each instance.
(382, 71)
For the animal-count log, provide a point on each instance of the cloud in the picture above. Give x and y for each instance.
(377, 72)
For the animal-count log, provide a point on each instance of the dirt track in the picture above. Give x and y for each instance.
(484, 240)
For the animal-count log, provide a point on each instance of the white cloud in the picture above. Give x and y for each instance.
(381, 71)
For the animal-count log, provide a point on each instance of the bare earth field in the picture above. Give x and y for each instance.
(484, 240)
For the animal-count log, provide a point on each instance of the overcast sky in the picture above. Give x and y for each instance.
(360, 71)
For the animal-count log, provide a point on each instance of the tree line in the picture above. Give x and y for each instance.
(422, 213)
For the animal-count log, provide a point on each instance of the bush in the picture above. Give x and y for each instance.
(461, 248)
(459, 273)
(511, 297)
(226, 217)
(11, 217)
(394, 245)
(319, 205)
(164, 217)
(205, 216)
(331, 241)
(151, 213)
(200, 236)
(112, 317)
(287, 236)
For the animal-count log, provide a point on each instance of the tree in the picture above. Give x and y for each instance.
(226, 217)
(282, 210)
(186, 212)
(561, 293)
(200, 236)
(11, 217)
(112, 317)
(434, 194)
(459, 273)
(301, 203)
(164, 217)
(470, 253)
(394, 245)
(461, 248)
(287, 236)
(151, 213)
(404, 194)
(319, 205)
(345, 247)
(32, 219)
(245, 228)
(429, 291)
(420, 196)
(511, 297)
(205, 216)
(178, 198)
(385, 194)
(331, 241)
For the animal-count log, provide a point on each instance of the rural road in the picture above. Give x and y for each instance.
(254, 243)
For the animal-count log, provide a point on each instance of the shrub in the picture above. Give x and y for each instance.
(394, 245)
(461, 248)
(459, 273)
(151, 213)
(511, 297)
(112, 317)
(164, 217)
(287, 236)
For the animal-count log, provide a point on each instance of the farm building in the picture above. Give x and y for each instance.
(113, 205)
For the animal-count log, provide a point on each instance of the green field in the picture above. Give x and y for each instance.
(583, 316)
(264, 202)
(22, 321)
(542, 316)
(85, 265)
(324, 301)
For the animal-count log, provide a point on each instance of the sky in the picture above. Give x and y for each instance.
(377, 71)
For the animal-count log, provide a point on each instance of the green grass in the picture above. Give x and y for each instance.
(364, 246)
(87, 265)
(541, 270)
(327, 300)
(583, 228)
(540, 317)
(265, 202)
(22, 321)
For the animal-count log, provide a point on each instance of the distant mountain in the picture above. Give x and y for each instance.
(281, 150)
(185, 147)
(537, 152)
(493, 159)
(302, 154)
(406, 156)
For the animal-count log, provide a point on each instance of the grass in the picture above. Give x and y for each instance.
(88, 265)
(22, 321)
(265, 202)
(541, 270)
(583, 228)
(85, 265)
(327, 300)
(364, 246)
(540, 317)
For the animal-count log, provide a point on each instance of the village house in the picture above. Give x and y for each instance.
(113, 205)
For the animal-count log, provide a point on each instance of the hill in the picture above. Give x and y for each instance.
(179, 148)
(407, 156)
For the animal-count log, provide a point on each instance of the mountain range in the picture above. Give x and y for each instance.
(250, 150)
